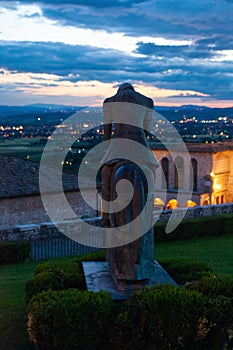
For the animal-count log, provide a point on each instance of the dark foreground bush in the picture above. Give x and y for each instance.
(185, 270)
(214, 286)
(60, 275)
(168, 317)
(70, 320)
(55, 276)
(164, 317)
(160, 318)
(14, 251)
(69, 273)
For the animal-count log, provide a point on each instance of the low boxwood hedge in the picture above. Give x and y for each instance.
(196, 227)
(185, 270)
(168, 317)
(70, 319)
(162, 317)
(60, 275)
(196, 315)
(214, 286)
(69, 274)
(14, 251)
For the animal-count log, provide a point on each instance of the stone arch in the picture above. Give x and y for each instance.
(158, 203)
(172, 204)
(190, 204)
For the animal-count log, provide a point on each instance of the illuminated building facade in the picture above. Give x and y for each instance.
(201, 176)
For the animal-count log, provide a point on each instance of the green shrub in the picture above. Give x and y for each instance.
(14, 251)
(196, 227)
(95, 256)
(60, 275)
(55, 277)
(218, 319)
(164, 317)
(218, 315)
(185, 270)
(70, 319)
(168, 318)
(214, 286)
(48, 266)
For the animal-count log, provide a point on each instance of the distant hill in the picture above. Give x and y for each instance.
(53, 107)
(28, 115)
(52, 114)
(14, 110)
(190, 111)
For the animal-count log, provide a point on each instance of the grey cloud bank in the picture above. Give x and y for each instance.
(203, 65)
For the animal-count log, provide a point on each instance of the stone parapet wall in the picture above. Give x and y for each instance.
(49, 230)
(31, 232)
(199, 211)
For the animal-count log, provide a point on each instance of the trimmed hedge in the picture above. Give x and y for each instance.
(60, 275)
(214, 286)
(195, 316)
(163, 317)
(14, 251)
(185, 270)
(70, 319)
(196, 227)
(169, 317)
(56, 279)
(69, 273)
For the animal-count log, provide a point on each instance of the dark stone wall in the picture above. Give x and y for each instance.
(47, 229)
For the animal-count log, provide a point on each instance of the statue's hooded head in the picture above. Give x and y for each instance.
(125, 86)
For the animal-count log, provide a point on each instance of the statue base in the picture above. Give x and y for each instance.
(98, 277)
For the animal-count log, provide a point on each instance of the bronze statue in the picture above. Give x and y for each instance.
(127, 116)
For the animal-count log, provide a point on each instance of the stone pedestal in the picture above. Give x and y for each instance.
(98, 277)
(132, 265)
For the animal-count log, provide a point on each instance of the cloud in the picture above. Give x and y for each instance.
(68, 63)
(91, 3)
(40, 85)
(183, 51)
(216, 42)
(59, 58)
(174, 45)
(170, 18)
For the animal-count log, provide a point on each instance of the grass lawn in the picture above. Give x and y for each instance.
(217, 251)
(13, 316)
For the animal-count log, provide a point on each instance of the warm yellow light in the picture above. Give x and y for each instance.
(190, 204)
(158, 201)
(172, 204)
(217, 187)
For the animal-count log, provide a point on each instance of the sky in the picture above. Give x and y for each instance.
(177, 52)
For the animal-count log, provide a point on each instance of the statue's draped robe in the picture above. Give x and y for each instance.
(130, 113)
